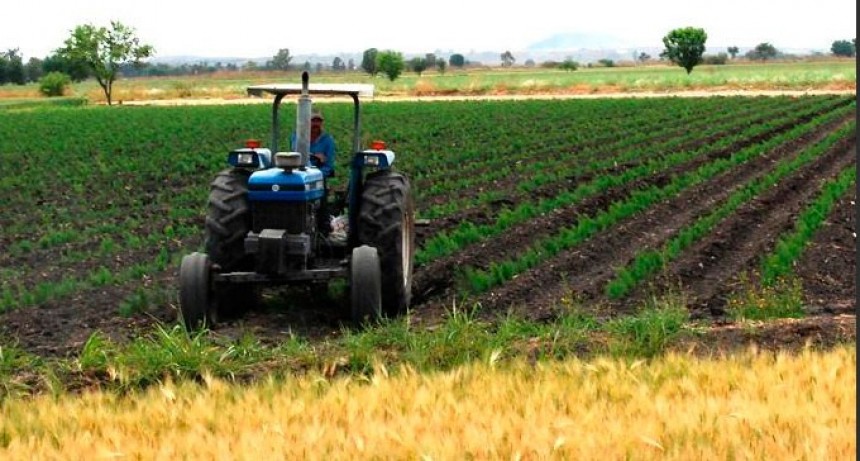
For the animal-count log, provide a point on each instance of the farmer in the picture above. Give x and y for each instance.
(322, 145)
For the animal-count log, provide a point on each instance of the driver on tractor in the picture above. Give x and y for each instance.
(322, 148)
(322, 155)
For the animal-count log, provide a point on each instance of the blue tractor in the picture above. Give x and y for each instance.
(268, 223)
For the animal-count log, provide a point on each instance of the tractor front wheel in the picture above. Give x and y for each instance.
(365, 285)
(196, 303)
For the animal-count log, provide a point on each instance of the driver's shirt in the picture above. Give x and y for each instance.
(324, 144)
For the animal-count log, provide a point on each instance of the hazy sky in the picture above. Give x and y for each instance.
(257, 28)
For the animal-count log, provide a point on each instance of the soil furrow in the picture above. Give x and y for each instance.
(710, 270)
(438, 276)
(828, 267)
(583, 270)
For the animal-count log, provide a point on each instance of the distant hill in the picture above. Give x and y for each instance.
(582, 47)
(576, 41)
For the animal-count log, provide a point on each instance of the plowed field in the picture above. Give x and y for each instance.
(611, 203)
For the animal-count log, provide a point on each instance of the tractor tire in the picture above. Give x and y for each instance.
(229, 220)
(196, 303)
(365, 285)
(386, 222)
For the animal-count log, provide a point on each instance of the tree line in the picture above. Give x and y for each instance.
(104, 53)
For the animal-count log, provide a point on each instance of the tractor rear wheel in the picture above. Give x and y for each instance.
(228, 220)
(365, 285)
(386, 222)
(196, 302)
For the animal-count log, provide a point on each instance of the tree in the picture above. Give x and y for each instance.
(685, 47)
(418, 65)
(441, 65)
(457, 60)
(78, 70)
(431, 60)
(643, 57)
(369, 61)
(12, 67)
(507, 59)
(843, 48)
(763, 51)
(733, 51)
(391, 64)
(281, 60)
(105, 50)
(33, 69)
(337, 64)
(569, 65)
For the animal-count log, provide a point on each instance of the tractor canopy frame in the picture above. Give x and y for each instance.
(304, 90)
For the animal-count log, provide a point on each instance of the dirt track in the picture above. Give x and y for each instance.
(507, 97)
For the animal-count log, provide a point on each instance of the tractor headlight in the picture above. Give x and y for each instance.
(371, 160)
(244, 159)
(288, 160)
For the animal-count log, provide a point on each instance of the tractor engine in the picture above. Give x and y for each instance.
(284, 204)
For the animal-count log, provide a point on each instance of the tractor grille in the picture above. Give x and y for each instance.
(291, 216)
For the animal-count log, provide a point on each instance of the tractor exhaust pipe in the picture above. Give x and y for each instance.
(303, 121)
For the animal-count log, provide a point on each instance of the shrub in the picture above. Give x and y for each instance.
(54, 84)
(718, 59)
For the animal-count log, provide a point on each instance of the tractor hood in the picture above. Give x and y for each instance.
(276, 184)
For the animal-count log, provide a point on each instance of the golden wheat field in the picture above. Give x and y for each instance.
(748, 406)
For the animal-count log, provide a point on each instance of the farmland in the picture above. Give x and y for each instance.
(611, 203)
(557, 229)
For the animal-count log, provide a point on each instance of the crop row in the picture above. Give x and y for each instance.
(480, 280)
(104, 196)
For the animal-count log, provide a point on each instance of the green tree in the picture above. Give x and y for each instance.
(338, 65)
(418, 65)
(569, 65)
(843, 48)
(685, 47)
(391, 64)
(12, 67)
(369, 61)
(763, 52)
(33, 69)
(78, 70)
(281, 60)
(441, 66)
(457, 60)
(733, 51)
(507, 59)
(105, 50)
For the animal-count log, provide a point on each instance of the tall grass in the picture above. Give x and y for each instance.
(746, 406)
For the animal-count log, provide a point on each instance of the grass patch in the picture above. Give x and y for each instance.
(783, 298)
(9, 104)
(647, 333)
(169, 354)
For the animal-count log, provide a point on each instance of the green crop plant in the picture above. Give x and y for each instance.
(650, 261)
(779, 263)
